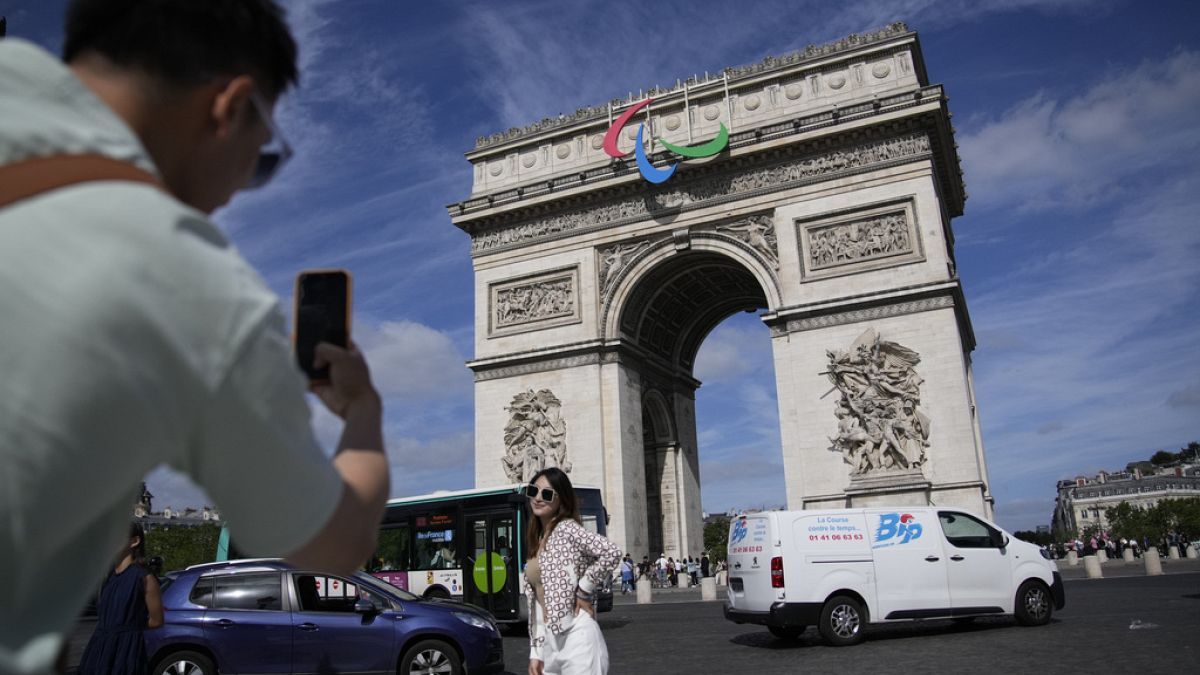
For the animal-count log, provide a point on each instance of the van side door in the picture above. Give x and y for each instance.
(910, 565)
(979, 567)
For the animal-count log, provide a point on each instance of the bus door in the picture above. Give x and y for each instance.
(492, 571)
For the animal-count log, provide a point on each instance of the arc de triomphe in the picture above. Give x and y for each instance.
(828, 211)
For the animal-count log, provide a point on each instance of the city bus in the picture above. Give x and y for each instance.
(468, 545)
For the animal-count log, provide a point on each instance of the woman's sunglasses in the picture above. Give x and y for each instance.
(532, 491)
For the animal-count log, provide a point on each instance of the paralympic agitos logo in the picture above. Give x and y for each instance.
(648, 171)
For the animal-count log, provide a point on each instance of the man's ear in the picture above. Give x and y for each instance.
(231, 104)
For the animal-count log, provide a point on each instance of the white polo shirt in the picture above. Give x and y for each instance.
(132, 333)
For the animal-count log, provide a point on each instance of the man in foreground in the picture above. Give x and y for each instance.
(133, 334)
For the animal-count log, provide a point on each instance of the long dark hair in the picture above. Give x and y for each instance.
(568, 507)
(139, 552)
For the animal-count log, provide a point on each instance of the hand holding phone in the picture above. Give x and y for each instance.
(322, 315)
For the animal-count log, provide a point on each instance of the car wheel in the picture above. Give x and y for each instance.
(185, 663)
(788, 633)
(437, 592)
(842, 621)
(430, 657)
(1033, 606)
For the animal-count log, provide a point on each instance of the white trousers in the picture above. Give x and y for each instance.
(578, 651)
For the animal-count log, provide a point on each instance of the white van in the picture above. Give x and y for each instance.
(841, 569)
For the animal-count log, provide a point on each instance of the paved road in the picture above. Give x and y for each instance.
(684, 636)
(680, 634)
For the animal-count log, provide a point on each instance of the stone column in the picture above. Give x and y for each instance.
(1173, 552)
(644, 595)
(1073, 558)
(1091, 564)
(708, 588)
(1127, 554)
(1153, 563)
(1101, 555)
(1191, 553)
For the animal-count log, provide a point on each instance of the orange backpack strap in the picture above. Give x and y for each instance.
(32, 177)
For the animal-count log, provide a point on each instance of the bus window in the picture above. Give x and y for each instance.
(391, 550)
(436, 548)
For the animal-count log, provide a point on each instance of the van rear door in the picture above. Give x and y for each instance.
(750, 552)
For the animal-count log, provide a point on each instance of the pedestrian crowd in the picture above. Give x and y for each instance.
(1115, 547)
(665, 572)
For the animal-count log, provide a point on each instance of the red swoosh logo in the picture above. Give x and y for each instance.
(610, 138)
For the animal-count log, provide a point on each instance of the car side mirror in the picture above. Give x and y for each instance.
(999, 540)
(365, 606)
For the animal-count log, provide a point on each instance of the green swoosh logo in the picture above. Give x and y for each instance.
(704, 150)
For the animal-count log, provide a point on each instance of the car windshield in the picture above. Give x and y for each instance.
(384, 587)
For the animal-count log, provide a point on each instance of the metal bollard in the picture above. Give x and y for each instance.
(1128, 555)
(644, 596)
(1091, 565)
(1073, 558)
(708, 588)
(1153, 563)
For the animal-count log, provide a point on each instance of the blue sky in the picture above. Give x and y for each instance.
(1078, 250)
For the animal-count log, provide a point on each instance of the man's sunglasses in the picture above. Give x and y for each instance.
(532, 491)
(275, 152)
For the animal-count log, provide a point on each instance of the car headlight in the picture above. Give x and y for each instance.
(474, 620)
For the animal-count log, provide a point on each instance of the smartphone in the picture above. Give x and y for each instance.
(322, 315)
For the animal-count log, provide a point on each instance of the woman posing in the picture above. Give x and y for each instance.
(566, 564)
(129, 603)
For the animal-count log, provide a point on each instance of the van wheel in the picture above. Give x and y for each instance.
(430, 656)
(185, 663)
(1033, 606)
(842, 621)
(788, 633)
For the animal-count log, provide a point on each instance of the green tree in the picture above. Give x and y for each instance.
(181, 546)
(716, 538)
(1037, 538)
(1129, 521)
(1162, 457)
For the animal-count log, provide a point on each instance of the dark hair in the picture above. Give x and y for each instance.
(568, 507)
(135, 530)
(187, 42)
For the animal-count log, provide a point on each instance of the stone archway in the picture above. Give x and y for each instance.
(829, 214)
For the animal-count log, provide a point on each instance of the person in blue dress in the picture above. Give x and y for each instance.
(129, 604)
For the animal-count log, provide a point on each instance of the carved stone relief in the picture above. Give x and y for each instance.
(857, 240)
(772, 177)
(881, 428)
(535, 436)
(539, 299)
(865, 238)
(759, 233)
(614, 259)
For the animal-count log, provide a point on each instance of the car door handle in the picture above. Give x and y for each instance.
(956, 557)
(308, 627)
(932, 558)
(225, 623)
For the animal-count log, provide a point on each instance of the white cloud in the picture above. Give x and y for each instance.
(733, 349)
(1107, 334)
(1047, 152)
(412, 363)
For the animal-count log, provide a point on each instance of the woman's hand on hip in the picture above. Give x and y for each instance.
(535, 667)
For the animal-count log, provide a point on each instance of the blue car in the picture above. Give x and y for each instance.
(262, 616)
